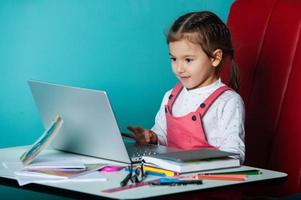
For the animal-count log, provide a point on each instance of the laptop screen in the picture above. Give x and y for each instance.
(89, 127)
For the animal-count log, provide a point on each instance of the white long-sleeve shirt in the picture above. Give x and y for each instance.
(223, 122)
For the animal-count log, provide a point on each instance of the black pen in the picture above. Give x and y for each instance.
(179, 182)
(125, 181)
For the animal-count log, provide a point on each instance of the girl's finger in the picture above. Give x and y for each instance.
(139, 129)
(132, 129)
(147, 136)
(128, 135)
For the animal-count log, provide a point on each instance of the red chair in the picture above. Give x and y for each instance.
(267, 47)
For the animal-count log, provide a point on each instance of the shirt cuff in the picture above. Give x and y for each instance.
(162, 140)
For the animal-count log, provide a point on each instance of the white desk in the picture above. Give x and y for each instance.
(114, 178)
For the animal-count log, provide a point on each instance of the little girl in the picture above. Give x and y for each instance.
(200, 111)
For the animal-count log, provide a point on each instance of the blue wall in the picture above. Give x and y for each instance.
(114, 45)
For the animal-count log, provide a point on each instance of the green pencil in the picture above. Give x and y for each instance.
(246, 172)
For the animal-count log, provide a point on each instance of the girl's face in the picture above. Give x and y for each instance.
(191, 65)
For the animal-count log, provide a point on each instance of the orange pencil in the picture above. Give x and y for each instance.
(224, 177)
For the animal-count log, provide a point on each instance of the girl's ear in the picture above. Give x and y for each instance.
(217, 57)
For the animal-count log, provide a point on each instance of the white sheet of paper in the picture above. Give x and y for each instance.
(91, 177)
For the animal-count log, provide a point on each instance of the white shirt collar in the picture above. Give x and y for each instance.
(205, 89)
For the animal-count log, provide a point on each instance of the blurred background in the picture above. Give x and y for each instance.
(113, 45)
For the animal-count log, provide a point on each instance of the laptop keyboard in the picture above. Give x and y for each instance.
(144, 152)
(136, 151)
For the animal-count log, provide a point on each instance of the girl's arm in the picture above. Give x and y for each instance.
(231, 126)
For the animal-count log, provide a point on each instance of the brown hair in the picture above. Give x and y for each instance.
(211, 33)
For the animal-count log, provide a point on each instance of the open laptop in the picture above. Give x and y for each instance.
(90, 127)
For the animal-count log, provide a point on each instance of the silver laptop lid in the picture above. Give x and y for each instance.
(89, 128)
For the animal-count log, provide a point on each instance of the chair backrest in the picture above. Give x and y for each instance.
(267, 49)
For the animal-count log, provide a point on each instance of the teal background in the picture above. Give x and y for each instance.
(113, 45)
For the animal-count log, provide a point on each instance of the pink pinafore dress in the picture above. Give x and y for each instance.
(187, 132)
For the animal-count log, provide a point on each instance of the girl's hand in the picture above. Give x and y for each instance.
(142, 135)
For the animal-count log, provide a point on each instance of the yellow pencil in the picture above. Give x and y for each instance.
(159, 170)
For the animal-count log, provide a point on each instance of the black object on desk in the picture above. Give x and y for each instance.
(125, 181)
(135, 175)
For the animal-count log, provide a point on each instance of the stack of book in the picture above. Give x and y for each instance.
(59, 171)
(175, 163)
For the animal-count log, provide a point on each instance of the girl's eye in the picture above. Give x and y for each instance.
(188, 60)
(173, 59)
